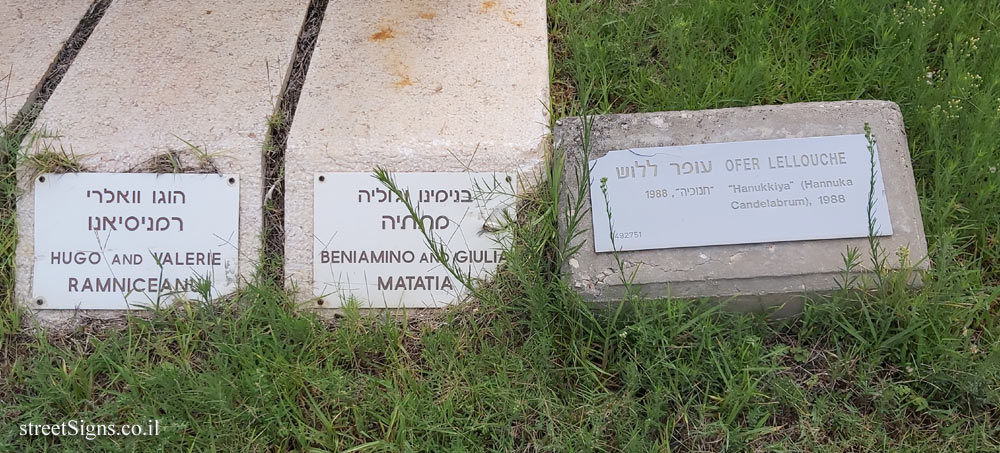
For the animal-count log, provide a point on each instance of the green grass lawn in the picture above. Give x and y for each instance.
(528, 366)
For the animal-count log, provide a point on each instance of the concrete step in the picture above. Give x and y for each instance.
(156, 74)
(415, 86)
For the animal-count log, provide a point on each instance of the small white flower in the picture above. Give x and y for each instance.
(972, 42)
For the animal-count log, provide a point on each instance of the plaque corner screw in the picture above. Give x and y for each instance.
(41, 179)
(232, 180)
(40, 301)
(319, 302)
(322, 179)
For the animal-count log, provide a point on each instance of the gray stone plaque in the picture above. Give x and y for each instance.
(722, 233)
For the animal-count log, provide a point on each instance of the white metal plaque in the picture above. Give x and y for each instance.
(736, 193)
(368, 246)
(126, 240)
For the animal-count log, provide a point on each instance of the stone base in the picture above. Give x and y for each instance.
(754, 275)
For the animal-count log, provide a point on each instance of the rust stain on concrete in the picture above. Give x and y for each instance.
(401, 71)
(508, 15)
(404, 81)
(427, 15)
(383, 34)
(487, 5)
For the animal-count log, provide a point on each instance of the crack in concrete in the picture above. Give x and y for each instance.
(24, 120)
(273, 234)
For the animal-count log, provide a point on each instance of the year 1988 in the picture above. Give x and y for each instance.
(832, 199)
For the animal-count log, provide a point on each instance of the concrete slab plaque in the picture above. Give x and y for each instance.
(124, 241)
(180, 86)
(776, 190)
(369, 247)
(416, 86)
(771, 270)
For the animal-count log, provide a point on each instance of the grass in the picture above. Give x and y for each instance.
(10, 138)
(528, 366)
